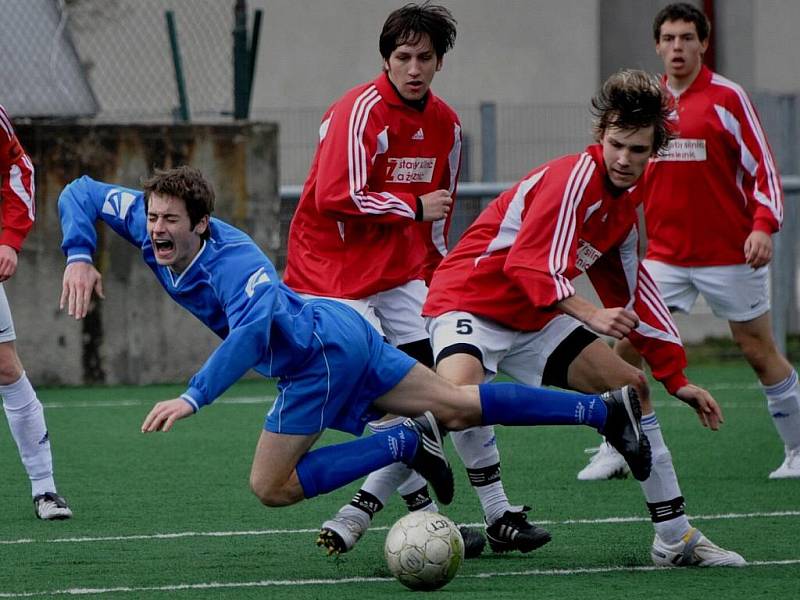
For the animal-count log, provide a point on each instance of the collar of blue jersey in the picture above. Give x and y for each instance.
(176, 281)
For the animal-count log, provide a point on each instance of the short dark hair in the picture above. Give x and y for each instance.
(682, 11)
(407, 24)
(186, 183)
(633, 99)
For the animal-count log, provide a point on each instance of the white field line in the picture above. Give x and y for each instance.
(262, 532)
(267, 583)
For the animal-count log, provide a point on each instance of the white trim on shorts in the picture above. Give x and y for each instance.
(521, 354)
(396, 313)
(7, 332)
(734, 292)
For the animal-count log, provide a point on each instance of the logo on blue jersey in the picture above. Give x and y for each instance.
(255, 280)
(118, 203)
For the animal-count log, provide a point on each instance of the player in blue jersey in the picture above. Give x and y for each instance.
(333, 369)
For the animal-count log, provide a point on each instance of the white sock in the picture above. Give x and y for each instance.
(783, 402)
(661, 489)
(26, 420)
(383, 482)
(477, 448)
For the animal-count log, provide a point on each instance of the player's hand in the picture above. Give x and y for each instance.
(436, 205)
(758, 249)
(703, 403)
(80, 280)
(8, 262)
(616, 322)
(162, 416)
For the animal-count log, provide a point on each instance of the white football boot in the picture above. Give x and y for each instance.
(790, 469)
(606, 463)
(693, 550)
(339, 534)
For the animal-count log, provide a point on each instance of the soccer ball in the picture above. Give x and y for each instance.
(424, 550)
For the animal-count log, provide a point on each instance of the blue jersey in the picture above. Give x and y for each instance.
(231, 286)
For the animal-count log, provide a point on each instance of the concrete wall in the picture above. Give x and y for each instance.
(137, 335)
(506, 50)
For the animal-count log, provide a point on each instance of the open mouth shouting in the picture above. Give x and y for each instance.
(163, 248)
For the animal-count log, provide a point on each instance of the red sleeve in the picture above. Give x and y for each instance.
(438, 231)
(761, 181)
(622, 281)
(543, 256)
(17, 209)
(354, 133)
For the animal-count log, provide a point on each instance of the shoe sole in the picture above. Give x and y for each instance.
(331, 541)
(437, 451)
(634, 411)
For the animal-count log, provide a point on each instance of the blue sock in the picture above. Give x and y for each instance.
(330, 467)
(517, 404)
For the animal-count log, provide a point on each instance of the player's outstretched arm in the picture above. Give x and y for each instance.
(80, 280)
(8, 262)
(164, 414)
(703, 403)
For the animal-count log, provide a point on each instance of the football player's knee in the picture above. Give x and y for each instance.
(10, 369)
(458, 418)
(267, 494)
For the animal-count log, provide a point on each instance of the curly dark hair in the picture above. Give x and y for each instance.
(407, 24)
(186, 183)
(632, 99)
(682, 11)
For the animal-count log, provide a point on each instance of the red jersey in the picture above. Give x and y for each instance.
(17, 209)
(518, 259)
(354, 232)
(716, 183)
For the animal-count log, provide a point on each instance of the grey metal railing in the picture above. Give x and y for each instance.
(783, 266)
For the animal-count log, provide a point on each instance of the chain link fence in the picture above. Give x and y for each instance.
(124, 47)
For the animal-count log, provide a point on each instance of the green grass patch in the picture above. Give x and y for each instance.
(171, 516)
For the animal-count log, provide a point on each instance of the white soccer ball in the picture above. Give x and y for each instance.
(424, 550)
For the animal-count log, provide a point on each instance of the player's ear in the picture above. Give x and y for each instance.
(201, 226)
(439, 63)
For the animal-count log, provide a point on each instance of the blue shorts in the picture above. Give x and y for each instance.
(350, 368)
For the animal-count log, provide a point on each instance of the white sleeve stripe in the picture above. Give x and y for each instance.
(357, 160)
(512, 219)
(748, 161)
(5, 123)
(453, 161)
(356, 156)
(565, 225)
(651, 332)
(191, 401)
(652, 299)
(79, 258)
(18, 187)
(755, 127)
(571, 223)
(454, 158)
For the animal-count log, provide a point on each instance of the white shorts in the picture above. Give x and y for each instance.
(521, 354)
(734, 292)
(7, 333)
(395, 313)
